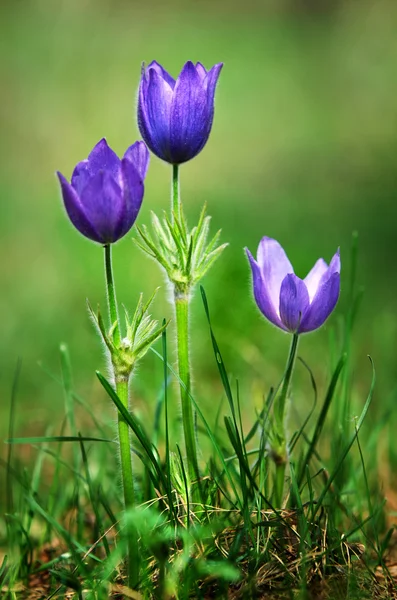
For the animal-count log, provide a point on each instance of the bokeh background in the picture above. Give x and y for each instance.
(303, 149)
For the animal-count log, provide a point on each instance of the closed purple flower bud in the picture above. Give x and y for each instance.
(293, 304)
(175, 117)
(105, 193)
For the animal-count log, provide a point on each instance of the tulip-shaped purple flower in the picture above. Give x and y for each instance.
(293, 304)
(175, 117)
(105, 193)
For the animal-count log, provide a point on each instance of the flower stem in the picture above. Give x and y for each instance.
(111, 293)
(182, 327)
(128, 484)
(280, 406)
(280, 452)
(176, 202)
(181, 299)
(124, 435)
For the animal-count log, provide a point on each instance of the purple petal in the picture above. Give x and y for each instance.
(81, 175)
(274, 266)
(313, 278)
(210, 83)
(323, 303)
(189, 116)
(104, 206)
(102, 158)
(132, 196)
(201, 71)
(212, 80)
(334, 265)
(138, 154)
(154, 106)
(142, 117)
(326, 297)
(162, 72)
(260, 293)
(294, 301)
(75, 210)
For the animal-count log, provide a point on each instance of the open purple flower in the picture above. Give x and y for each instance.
(287, 301)
(105, 193)
(175, 117)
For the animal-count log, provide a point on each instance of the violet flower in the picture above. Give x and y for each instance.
(293, 304)
(175, 117)
(105, 193)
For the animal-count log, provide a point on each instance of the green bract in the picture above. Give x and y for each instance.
(185, 255)
(142, 332)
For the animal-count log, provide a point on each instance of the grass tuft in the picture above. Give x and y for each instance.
(221, 535)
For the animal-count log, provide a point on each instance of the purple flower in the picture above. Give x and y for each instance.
(291, 303)
(175, 117)
(105, 193)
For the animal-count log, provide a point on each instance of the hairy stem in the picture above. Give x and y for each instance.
(181, 300)
(128, 484)
(111, 293)
(280, 452)
(182, 327)
(124, 435)
(176, 202)
(280, 402)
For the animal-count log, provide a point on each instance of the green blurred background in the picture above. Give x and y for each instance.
(303, 149)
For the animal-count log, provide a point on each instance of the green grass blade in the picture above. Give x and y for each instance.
(93, 497)
(322, 416)
(3, 570)
(138, 430)
(56, 438)
(186, 485)
(210, 434)
(218, 357)
(73, 545)
(167, 435)
(299, 433)
(350, 444)
(11, 425)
